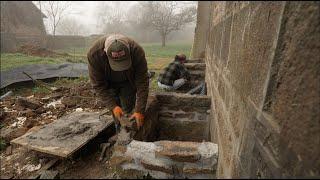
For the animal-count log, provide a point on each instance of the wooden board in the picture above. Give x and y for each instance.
(66, 135)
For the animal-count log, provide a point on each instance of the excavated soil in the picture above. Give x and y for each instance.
(39, 51)
(19, 114)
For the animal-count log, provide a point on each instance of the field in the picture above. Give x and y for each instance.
(157, 57)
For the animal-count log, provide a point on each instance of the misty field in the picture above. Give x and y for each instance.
(158, 57)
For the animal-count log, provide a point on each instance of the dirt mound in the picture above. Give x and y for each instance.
(39, 51)
(15, 114)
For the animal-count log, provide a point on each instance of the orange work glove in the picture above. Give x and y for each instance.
(139, 119)
(117, 112)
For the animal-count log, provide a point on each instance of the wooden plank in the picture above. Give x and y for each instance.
(66, 135)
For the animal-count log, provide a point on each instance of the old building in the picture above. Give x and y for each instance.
(263, 75)
(21, 23)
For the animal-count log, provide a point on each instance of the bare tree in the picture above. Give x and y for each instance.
(55, 11)
(69, 26)
(5, 15)
(112, 17)
(166, 17)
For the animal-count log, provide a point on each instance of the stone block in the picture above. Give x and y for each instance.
(179, 99)
(119, 160)
(179, 151)
(157, 165)
(195, 66)
(168, 159)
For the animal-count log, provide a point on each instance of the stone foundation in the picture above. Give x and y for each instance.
(197, 69)
(183, 117)
(180, 150)
(166, 159)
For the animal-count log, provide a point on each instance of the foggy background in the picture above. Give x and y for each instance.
(87, 18)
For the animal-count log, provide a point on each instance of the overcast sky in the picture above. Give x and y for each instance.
(85, 12)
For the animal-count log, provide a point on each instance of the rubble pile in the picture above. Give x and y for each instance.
(19, 114)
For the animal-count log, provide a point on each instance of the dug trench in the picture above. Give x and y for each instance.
(173, 144)
(179, 125)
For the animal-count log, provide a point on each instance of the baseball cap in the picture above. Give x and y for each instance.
(118, 52)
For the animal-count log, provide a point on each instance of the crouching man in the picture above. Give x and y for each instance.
(118, 73)
(175, 75)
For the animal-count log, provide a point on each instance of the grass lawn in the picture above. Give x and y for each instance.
(12, 60)
(158, 57)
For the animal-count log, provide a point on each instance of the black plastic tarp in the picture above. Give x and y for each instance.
(42, 71)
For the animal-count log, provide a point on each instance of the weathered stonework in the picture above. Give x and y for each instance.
(182, 128)
(183, 117)
(168, 159)
(263, 76)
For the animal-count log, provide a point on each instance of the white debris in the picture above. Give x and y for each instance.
(8, 158)
(29, 97)
(79, 110)
(54, 103)
(8, 110)
(45, 98)
(14, 124)
(48, 113)
(31, 167)
(53, 88)
(21, 121)
(19, 170)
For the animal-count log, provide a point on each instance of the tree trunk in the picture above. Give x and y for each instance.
(163, 38)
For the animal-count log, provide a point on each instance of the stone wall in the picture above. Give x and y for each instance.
(262, 73)
(183, 117)
(165, 159)
(196, 68)
(8, 42)
(178, 147)
(202, 26)
(60, 42)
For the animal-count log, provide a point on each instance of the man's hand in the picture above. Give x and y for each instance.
(117, 112)
(139, 119)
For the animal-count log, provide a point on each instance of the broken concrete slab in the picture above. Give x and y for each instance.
(66, 135)
(47, 174)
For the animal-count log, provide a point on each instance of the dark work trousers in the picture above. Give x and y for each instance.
(125, 96)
